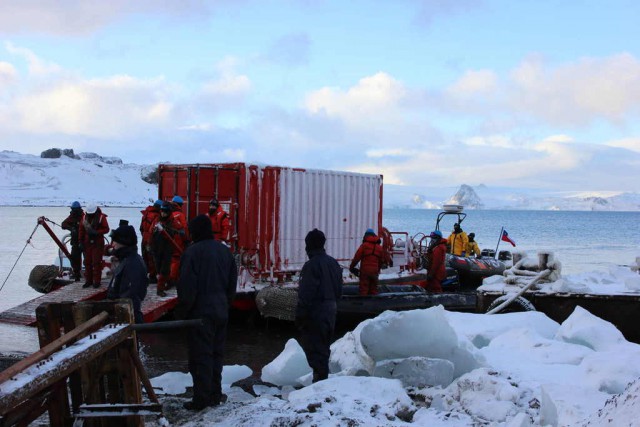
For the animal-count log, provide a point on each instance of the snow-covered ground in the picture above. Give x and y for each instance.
(432, 368)
(30, 180)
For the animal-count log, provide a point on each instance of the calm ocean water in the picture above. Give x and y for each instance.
(583, 241)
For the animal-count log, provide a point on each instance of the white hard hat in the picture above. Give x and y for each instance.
(91, 209)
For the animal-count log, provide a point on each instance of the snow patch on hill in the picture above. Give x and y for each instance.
(89, 178)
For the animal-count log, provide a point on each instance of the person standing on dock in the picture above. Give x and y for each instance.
(181, 237)
(372, 258)
(219, 221)
(319, 290)
(93, 227)
(129, 278)
(472, 247)
(207, 286)
(149, 216)
(436, 255)
(458, 241)
(164, 246)
(72, 224)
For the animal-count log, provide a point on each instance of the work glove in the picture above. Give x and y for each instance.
(355, 271)
(301, 322)
(159, 227)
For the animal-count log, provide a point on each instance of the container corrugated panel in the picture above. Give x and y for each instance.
(342, 205)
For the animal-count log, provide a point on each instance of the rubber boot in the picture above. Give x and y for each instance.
(162, 281)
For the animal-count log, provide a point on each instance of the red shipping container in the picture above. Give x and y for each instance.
(272, 209)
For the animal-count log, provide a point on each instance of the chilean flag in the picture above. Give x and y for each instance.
(505, 238)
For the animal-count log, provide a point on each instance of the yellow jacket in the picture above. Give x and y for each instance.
(458, 243)
(473, 249)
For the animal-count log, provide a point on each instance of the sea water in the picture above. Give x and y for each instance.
(582, 241)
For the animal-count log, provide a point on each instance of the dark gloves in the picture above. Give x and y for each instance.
(301, 321)
(355, 271)
(81, 247)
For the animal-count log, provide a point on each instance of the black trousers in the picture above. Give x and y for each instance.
(315, 340)
(206, 351)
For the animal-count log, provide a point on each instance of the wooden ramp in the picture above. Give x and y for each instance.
(153, 306)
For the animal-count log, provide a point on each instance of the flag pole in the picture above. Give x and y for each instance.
(499, 238)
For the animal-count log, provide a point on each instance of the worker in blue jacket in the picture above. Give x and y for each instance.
(319, 289)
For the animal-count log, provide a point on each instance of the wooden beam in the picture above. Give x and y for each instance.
(49, 373)
(46, 351)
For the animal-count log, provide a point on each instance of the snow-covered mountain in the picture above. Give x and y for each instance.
(87, 177)
(483, 197)
(62, 176)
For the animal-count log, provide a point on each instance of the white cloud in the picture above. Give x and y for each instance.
(8, 73)
(374, 100)
(115, 107)
(632, 144)
(234, 154)
(577, 93)
(474, 83)
(81, 17)
(501, 141)
(387, 152)
(37, 66)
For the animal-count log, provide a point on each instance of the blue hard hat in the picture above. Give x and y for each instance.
(436, 233)
(158, 203)
(177, 199)
(75, 205)
(369, 231)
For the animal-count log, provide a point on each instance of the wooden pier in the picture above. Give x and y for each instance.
(153, 306)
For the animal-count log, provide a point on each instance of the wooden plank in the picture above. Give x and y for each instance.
(56, 369)
(46, 351)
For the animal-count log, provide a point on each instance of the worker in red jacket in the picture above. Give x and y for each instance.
(372, 258)
(220, 224)
(181, 237)
(164, 246)
(93, 227)
(149, 215)
(436, 255)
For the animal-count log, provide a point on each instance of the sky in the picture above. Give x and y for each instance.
(529, 94)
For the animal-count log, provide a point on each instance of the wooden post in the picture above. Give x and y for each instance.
(49, 326)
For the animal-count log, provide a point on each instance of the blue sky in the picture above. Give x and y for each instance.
(523, 94)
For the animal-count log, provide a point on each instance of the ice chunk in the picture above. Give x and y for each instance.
(480, 329)
(260, 390)
(609, 371)
(583, 328)
(290, 365)
(347, 354)
(567, 405)
(418, 333)
(233, 373)
(417, 371)
(236, 394)
(172, 383)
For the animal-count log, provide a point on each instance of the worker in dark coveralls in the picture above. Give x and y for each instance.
(207, 285)
(319, 289)
(72, 224)
(130, 275)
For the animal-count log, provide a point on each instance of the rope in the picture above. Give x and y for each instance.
(21, 252)
(54, 223)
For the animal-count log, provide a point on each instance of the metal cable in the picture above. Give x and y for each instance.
(21, 252)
